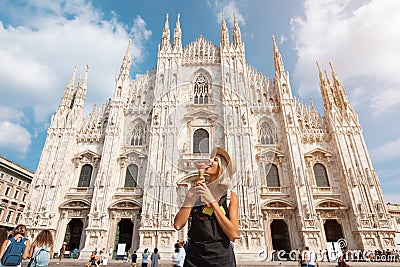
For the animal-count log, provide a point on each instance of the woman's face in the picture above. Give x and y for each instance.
(212, 167)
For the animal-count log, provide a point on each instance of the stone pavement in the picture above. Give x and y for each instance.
(165, 263)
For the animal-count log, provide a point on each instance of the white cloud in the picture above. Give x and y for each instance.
(387, 151)
(10, 113)
(360, 37)
(386, 100)
(14, 137)
(228, 8)
(38, 56)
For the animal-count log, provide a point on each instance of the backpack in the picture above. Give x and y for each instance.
(42, 257)
(13, 254)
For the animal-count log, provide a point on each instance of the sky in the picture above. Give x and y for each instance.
(41, 41)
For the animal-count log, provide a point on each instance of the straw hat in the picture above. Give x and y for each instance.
(223, 153)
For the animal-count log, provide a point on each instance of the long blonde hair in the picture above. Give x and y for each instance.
(223, 182)
(44, 238)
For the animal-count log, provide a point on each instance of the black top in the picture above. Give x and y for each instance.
(205, 228)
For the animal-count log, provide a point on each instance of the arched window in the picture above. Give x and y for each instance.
(321, 177)
(201, 90)
(85, 176)
(138, 135)
(266, 134)
(272, 175)
(201, 141)
(131, 176)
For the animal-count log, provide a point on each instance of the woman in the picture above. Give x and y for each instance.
(18, 235)
(44, 243)
(214, 222)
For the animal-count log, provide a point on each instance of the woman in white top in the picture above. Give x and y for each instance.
(44, 239)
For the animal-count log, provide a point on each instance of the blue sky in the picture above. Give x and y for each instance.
(42, 40)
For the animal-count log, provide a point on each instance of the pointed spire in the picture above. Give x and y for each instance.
(339, 90)
(278, 63)
(336, 81)
(224, 33)
(126, 62)
(84, 83)
(324, 86)
(72, 79)
(321, 75)
(312, 104)
(165, 39)
(69, 90)
(327, 78)
(82, 89)
(178, 35)
(237, 38)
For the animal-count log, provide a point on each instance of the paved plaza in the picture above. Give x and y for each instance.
(167, 263)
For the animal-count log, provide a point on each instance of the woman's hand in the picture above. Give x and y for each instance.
(204, 193)
(191, 197)
(184, 212)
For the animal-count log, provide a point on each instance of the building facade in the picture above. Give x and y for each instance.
(15, 182)
(394, 211)
(118, 175)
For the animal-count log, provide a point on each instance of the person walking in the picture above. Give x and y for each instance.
(134, 259)
(41, 250)
(214, 212)
(62, 251)
(18, 244)
(154, 258)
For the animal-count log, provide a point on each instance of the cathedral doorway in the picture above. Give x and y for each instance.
(280, 235)
(124, 233)
(73, 234)
(333, 230)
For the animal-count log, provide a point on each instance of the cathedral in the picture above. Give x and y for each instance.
(115, 178)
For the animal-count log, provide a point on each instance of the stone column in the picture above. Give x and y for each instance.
(60, 233)
(135, 222)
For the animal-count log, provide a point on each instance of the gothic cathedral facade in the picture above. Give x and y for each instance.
(119, 174)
